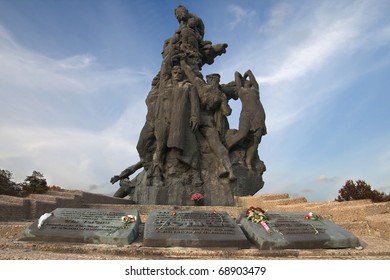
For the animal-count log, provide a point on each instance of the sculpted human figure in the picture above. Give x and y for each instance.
(252, 116)
(185, 145)
(184, 118)
(125, 185)
(176, 117)
(224, 110)
(189, 38)
(211, 98)
(146, 141)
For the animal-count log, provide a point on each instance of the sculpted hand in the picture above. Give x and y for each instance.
(194, 124)
(114, 179)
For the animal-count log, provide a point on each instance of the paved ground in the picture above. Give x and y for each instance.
(373, 248)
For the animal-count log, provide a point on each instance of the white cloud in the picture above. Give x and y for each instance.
(44, 103)
(78, 61)
(240, 15)
(314, 52)
(324, 178)
(277, 18)
(67, 157)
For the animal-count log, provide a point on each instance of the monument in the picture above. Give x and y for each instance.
(186, 145)
(296, 230)
(83, 225)
(189, 155)
(193, 229)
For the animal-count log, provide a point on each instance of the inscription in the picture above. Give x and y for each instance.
(292, 227)
(85, 226)
(193, 223)
(87, 220)
(293, 231)
(193, 229)
(295, 225)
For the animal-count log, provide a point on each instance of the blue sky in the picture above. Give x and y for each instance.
(74, 76)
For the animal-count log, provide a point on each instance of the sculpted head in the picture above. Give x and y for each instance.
(181, 13)
(213, 78)
(177, 73)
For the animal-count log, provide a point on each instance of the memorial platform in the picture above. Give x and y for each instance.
(368, 221)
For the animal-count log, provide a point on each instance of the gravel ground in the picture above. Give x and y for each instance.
(373, 248)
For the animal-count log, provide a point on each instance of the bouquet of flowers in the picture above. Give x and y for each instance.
(257, 215)
(312, 216)
(197, 197)
(128, 219)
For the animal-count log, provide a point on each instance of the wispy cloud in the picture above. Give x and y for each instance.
(73, 119)
(277, 18)
(240, 15)
(324, 178)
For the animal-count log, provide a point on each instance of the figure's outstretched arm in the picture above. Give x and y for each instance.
(230, 90)
(195, 80)
(252, 79)
(127, 172)
(238, 79)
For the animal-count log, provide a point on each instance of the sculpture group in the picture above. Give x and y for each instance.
(186, 145)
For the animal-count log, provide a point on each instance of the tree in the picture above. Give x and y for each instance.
(35, 183)
(360, 190)
(7, 186)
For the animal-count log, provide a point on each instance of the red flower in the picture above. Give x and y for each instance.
(173, 213)
(307, 217)
(254, 209)
(214, 211)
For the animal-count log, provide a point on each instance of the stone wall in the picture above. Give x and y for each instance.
(32, 207)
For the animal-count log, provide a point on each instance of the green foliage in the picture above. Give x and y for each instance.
(7, 186)
(35, 183)
(360, 190)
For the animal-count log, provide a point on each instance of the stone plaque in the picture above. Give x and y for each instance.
(193, 229)
(86, 226)
(293, 231)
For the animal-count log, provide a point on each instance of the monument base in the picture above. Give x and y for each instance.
(101, 226)
(193, 229)
(292, 231)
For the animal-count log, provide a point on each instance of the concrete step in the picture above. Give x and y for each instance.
(88, 197)
(380, 224)
(67, 194)
(13, 208)
(358, 228)
(42, 197)
(246, 200)
(255, 200)
(357, 212)
(11, 199)
(268, 203)
(336, 211)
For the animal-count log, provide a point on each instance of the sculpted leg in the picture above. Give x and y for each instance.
(243, 130)
(220, 151)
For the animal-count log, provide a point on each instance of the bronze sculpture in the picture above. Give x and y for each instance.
(186, 145)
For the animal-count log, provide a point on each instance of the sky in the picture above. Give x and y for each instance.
(74, 76)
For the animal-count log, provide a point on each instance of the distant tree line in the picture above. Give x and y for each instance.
(35, 183)
(360, 190)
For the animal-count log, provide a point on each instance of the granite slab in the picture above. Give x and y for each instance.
(290, 230)
(193, 229)
(85, 225)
